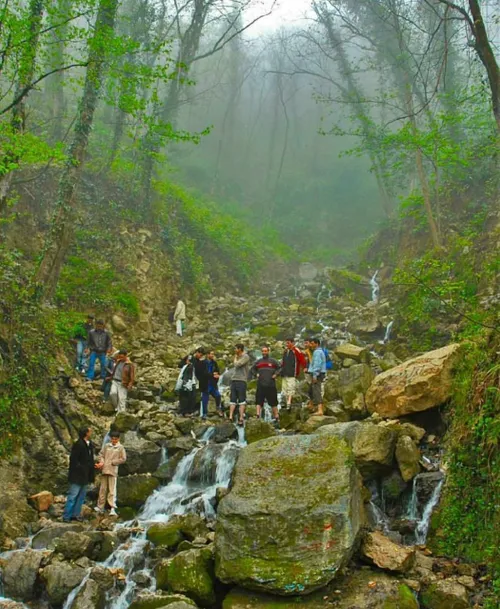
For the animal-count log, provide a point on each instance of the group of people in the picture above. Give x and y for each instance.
(200, 372)
(94, 343)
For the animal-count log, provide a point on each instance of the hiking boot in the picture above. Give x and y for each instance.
(112, 512)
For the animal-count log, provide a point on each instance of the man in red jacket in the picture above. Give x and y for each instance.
(292, 363)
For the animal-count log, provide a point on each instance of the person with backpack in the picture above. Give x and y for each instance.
(317, 370)
(122, 380)
(99, 344)
(292, 363)
(266, 369)
(186, 387)
(112, 455)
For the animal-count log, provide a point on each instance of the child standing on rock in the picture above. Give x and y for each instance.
(110, 458)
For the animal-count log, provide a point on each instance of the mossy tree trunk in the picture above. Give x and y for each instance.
(63, 222)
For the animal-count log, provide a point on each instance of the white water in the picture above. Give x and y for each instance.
(387, 336)
(375, 287)
(424, 523)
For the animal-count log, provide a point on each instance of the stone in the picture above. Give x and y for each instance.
(225, 431)
(257, 429)
(60, 578)
(315, 422)
(292, 516)
(166, 471)
(9, 604)
(385, 554)
(408, 458)
(190, 573)
(165, 534)
(406, 429)
(102, 544)
(90, 596)
(354, 381)
(344, 431)
(148, 600)
(444, 594)
(103, 577)
(132, 491)
(118, 323)
(125, 421)
(46, 536)
(184, 445)
(361, 355)
(204, 467)
(42, 501)
(20, 574)
(143, 456)
(416, 385)
(73, 545)
(366, 325)
(331, 387)
(373, 449)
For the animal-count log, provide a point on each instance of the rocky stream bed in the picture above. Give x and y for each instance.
(327, 512)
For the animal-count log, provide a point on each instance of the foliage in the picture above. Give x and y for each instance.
(468, 522)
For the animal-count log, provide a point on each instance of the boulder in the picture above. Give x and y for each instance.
(344, 431)
(408, 458)
(256, 429)
(315, 422)
(166, 471)
(225, 431)
(103, 576)
(143, 456)
(183, 445)
(60, 578)
(385, 554)
(73, 545)
(331, 387)
(373, 449)
(366, 325)
(354, 381)
(418, 384)
(90, 596)
(165, 534)
(6, 603)
(102, 544)
(20, 574)
(125, 421)
(204, 466)
(292, 517)
(46, 536)
(361, 355)
(445, 594)
(190, 573)
(148, 600)
(133, 490)
(42, 501)
(118, 323)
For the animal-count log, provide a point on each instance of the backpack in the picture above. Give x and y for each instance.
(329, 363)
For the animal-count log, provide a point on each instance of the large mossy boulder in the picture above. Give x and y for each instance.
(256, 430)
(90, 596)
(133, 491)
(60, 578)
(408, 458)
(353, 383)
(190, 573)
(147, 600)
(445, 594)
(20, 574)
(292, 517)
(143, 456)
(418, 384)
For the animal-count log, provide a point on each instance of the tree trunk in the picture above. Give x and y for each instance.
(65, 214)
(27, 65)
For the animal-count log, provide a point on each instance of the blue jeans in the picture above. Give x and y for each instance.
(74, 501)
(91, 371)
(205, 396)
(81, 358)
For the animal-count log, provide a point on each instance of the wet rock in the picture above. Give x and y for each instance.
(72, 545)
(354, 381)
(15, 513)
(373, 449)
(125, 421)
(183, 445)
(416, 385)
(134, 490)
(225, 431)
(444, 594)
(315, 422)
(408, 458)
(90, 596)
(21, 573)
(102, 544)
(393, 486)
(143, 456)
(204, 465)
(42, 501)
(45, 537)
(184, 425)
(190, 573)
(60, 578)
(103, 577)
(297, 536)
(165, 534)
(256, 429)
(166, 471)
(405, 429)
(331, 387)
(148, 600)
(361, 355)
(385, 554)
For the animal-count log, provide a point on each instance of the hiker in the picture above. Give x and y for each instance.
(80, 338)
(186, 387)
(110, 458)
(122, 380)
(317, 370)
(106, 384)
(99, 344)
(266, 369)
(180, 317)
(239, 383)
(200, 371)
(81, 474)
(292, 363)
(213, 374)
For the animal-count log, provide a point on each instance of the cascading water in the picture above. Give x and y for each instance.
(375, 287)
(387, 335)
(422, 517)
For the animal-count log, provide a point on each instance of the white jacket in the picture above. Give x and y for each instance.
(180, 311)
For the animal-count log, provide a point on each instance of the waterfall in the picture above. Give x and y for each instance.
(375, 287)
(411, 513)
(387, 335)
(424, 523)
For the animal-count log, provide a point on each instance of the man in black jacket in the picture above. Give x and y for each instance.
(200, 369)
(99, 343)
(266, 369)
(81, 474)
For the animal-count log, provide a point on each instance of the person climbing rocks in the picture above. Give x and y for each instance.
(81, 474)
(180, 317)
(110, 458)
(99, 344)
(239, 383)
(266, 369)
(80, 338)
(213, 373)
(106, 384)
(317, 370)
(122, 380)
(186, 387)
(292, 363)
